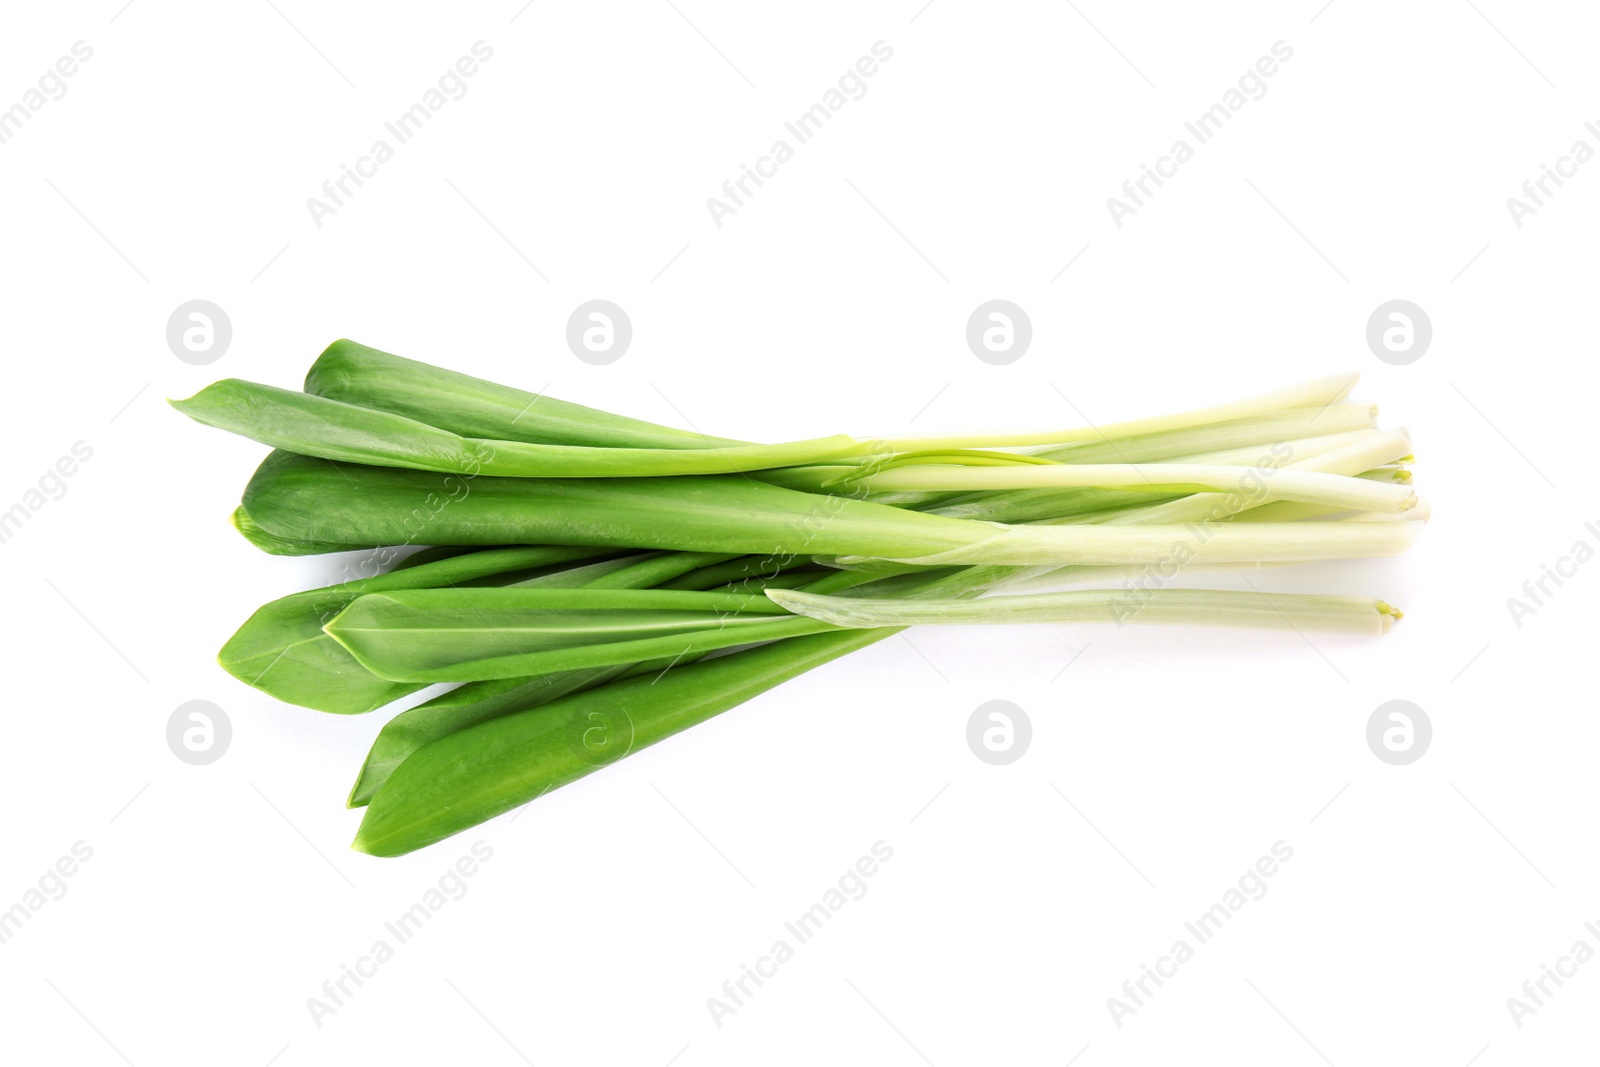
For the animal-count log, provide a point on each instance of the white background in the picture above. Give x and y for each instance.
(1164, 761)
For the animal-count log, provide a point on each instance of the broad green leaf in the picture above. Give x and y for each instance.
(472, 775)
(301, 498)
(279, 546)
(465, 635)
(460, 708)
(473, 407)
(282, 649)
(334, 430)
(476, 702)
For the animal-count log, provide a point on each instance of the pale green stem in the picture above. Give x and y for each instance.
(1239, 434)
(1300, 448)
(1176, 546)
(1315, 394)
(1070, 505)
(1299, 611)
(1305, 485)
(1352, 460)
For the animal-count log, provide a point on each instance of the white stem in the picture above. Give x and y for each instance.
(1367, 453)
(1314, 394)
(1421, 513)
(1052, 579)
(1174, 547)
(1300, 447)
(1352, 460)
(1237, 434)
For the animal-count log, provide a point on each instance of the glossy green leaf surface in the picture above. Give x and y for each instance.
(283, 651)
(301, 498)
(313, 425)
(280, 546)
(473, 407)
(476, 702)
(462, 707)
(464, 635)
(466, 777)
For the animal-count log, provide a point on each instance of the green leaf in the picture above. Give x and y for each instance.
(283, 651)
(331, 429)
(472, 775)
(465, 635)
(279, 546)
(473, 407)
(480, 701)
(736, 571)
(459, 709)
(477, 702)
(298, 497)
